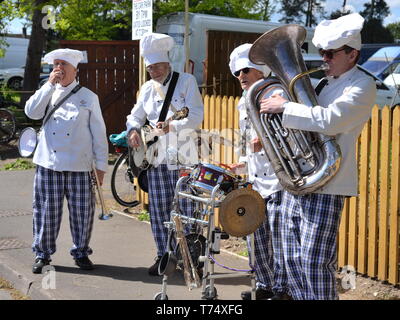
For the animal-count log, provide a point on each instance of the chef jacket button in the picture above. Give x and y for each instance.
(265, 173)
(55, 151)
(68, 134)
(54, 133)
(256, 175)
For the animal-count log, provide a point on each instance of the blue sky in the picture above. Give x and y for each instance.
(330, 5)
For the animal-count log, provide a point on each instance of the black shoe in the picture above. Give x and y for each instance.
(153, 270)
(261, 294)
(84, 263)
(281, 296)
(39, 264)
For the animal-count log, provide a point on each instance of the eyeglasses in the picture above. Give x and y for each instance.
(155, 66)
(329, 53)
(244, 70)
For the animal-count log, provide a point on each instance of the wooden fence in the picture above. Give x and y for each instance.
(368, 237)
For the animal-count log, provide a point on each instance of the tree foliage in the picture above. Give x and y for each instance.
(302, 11)
(373, 31)
(247, 9)
(394, 29)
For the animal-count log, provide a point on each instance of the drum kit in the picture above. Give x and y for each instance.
(241, 212)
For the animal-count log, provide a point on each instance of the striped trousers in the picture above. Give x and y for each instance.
(310, 228)
(50, 189)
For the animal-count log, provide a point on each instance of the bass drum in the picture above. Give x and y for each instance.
(27, 142)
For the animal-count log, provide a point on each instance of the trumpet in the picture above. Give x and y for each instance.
(105, 212)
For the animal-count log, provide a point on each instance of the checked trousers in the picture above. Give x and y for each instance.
(162, 182)
(311, 224)
(50, 189)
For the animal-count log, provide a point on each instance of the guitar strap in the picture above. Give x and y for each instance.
(168, 97)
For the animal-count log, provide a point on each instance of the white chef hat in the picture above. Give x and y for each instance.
(69, 55)
(154, 48)
(239, 59)
(333, 34)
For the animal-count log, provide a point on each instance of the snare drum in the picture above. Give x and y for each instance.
(27, 142)
(206, 176)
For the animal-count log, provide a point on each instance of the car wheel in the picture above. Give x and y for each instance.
(15, 83)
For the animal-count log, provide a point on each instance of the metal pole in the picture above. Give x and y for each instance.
(186, 40)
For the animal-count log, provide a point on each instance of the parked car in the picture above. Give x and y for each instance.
(383, 62)
(368, 49)
(13, 77)
(393, 79)
(386, 95)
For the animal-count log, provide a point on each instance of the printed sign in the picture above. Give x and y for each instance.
(142, 18)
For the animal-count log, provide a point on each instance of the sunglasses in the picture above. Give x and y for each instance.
(244, 70)
(329, 53)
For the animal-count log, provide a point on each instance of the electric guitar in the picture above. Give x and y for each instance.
(144, 155)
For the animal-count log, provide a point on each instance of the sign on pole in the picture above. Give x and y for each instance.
(142, 18)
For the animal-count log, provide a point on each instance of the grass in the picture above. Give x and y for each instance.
(19, 164)
(144, 216)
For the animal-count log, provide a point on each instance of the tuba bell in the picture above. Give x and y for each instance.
(302, 161)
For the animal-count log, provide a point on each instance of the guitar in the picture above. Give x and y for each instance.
(143, 155)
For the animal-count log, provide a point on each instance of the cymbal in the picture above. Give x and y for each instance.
(242, 212)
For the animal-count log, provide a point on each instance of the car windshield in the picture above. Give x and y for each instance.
(375, 66)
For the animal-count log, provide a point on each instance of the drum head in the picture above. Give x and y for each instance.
(27, 142)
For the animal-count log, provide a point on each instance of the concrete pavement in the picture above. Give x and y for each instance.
(123, 248)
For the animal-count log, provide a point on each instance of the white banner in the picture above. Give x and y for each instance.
(142, 18)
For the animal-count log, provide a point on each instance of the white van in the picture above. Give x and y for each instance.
(174, 25)
(15, 53)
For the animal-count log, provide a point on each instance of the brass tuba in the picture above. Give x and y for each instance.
(303, 161)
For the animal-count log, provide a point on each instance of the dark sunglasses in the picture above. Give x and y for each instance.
(244, 70)
(329, 53)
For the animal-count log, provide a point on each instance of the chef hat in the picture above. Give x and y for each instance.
(239, 59)
(69, 55)
(154, 47)
(333, 34)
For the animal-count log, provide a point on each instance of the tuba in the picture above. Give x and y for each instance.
(302, 161)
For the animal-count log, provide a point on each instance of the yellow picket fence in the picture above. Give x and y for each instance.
(368, 238)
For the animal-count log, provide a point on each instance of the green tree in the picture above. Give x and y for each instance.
(394, 29)
(95, 20)
(247, 9)
(374, 31)
(302, 11)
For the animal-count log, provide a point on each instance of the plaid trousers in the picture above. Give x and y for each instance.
(49, 189)
(162, 182)
(310, 227)
(268, 251)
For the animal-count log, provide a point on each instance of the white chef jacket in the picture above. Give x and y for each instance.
(75, 134)
(345, 106)
(260, 172)
(182, 134)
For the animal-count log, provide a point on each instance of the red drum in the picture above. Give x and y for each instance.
(206, 176)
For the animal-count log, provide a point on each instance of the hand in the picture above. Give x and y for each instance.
(255, 145)
(238, 168)
(272, 104)
(134, 139)
(56, 76)
(160, 125)
(100, 176)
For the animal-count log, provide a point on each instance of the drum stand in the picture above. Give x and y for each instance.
(205, 206)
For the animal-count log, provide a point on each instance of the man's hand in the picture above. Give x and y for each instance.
(134, 139)
(100, 176)
(255, 145)
(238, 168)
(272, 104)
(56, 76)
(160, 125)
